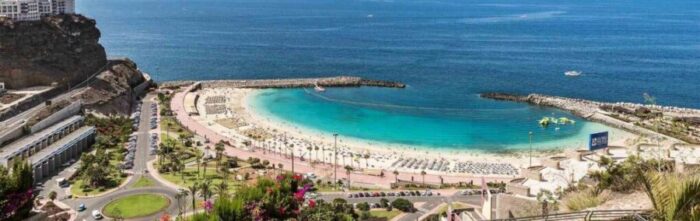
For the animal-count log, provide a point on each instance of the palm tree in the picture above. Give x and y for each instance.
(225, 173)
(162, 151)
(193, 192)
(323, 154)
(422, 173)
(198, 159)
(316, 148)
(205, 165)
(348, 170)
(181, 167)
(366, 156)
(178, 197)
(183, 194)
(205, 189)
(396, 175)
(547, 199)
(221, 190)
(219, 147)
(673, 197)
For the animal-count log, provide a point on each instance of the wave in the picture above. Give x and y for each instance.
(323, 29)
(513, 18)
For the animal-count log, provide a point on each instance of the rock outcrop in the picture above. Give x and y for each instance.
(65, 49)
(62, 49)
(113, 90)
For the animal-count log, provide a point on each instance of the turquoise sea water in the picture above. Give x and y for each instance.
(503, 126)
(447, 51)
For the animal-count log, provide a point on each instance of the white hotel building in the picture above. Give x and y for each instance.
(32, 10)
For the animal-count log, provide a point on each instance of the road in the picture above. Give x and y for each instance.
(140, 164)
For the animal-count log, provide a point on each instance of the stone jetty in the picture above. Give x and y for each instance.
(339, 81)
(638, 118)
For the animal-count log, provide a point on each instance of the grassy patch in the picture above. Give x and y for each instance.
(455, 205)
(172, 127)
(585, 199)
(136, 206)
(384, 214)
(143, 182)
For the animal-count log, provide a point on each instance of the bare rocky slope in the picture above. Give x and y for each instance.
(65, 49)
(111, 92)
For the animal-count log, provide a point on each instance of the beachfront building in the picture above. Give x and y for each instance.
(32, 10)
(49, 149)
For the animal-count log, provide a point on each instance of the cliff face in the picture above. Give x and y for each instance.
(65, 49)
(112, 90)
(62, 49)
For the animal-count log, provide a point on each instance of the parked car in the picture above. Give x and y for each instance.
(81, 207)
(96, 214)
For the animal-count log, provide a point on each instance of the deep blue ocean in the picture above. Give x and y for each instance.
(447, 51)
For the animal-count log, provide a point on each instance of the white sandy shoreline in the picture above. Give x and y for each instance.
(517, 156)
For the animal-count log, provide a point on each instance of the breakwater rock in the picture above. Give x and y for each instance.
(584, 107)
(504, 97)
(637, 118)
(340, 81)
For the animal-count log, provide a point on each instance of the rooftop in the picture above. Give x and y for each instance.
(61, 144)
(26, 141)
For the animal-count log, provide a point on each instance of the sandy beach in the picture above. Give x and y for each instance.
(240, 120)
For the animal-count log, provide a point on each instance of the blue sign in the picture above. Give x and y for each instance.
(598, 141)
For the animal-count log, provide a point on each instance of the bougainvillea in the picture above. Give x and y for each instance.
(282, 198)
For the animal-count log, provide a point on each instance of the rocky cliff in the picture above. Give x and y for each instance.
(112, 90)
(62, 49)
(65, 49)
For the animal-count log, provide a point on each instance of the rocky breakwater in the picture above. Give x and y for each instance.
(579, 107)
(62, 49)
(673, 122)
(340, 81)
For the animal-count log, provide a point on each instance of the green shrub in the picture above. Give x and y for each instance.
(402, 204)
(364, 206)
(383, 202)
(577, 201)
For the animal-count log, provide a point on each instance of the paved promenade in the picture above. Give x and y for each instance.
(322, 170)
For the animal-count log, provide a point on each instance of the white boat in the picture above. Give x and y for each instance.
(318, 88)
(572, 73)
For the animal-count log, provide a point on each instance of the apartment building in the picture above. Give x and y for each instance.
(32, 10)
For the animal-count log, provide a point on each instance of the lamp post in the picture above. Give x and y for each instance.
(335, 159)
(530, 135)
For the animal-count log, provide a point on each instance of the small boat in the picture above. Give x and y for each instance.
(370, 16)
(572, 73)
(318, 88)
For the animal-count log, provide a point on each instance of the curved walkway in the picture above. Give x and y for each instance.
(178, 107)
